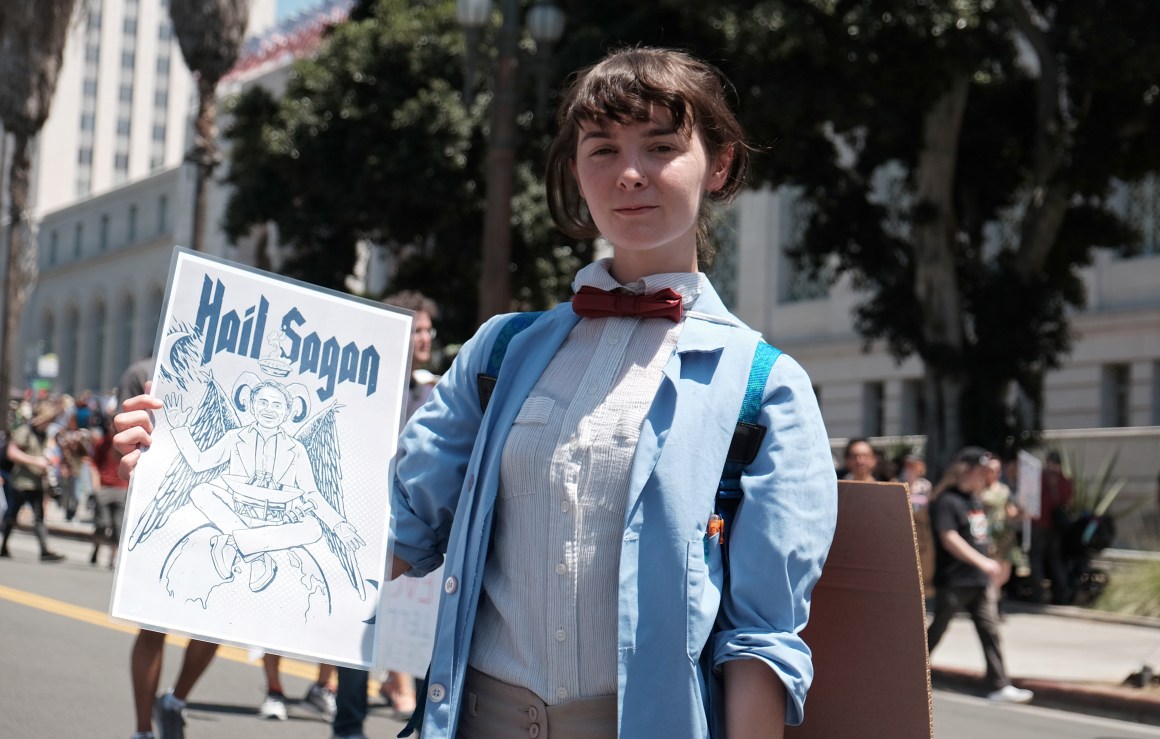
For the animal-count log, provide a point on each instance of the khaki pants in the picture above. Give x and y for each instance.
(496, 710)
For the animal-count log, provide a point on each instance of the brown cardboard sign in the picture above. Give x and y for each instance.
(867, 625)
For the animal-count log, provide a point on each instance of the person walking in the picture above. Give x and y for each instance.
(30, 465)
(964, 571)
(319, 696)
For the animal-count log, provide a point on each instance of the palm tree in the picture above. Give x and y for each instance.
(210, 34)
(32, 39)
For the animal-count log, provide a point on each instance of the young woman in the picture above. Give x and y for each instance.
(585, 583)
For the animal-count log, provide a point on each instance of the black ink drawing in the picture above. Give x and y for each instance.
(263, 473)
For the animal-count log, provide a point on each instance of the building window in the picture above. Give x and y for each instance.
(78, 239)
(92, 53)
(913, 407)
(88, 121)
(132, 223)
(164, 32)
(873, 408)
(94, 21)
(159, 132)
(121, 161)
(104, 241)
(161, 99)
(128, 59)
(53, 244)
(85, 156)
(125, 94)
(1116, 408)
(90, 88)
(130, 26)
(162, 214)
(84, 185)
(163, 65)
(124, 125)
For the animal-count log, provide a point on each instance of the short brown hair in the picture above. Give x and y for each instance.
(415, 301)
(623, 87)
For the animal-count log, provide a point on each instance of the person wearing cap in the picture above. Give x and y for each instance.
(964, 572)
(26, 449)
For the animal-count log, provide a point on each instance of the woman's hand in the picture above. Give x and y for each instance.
(134, 426)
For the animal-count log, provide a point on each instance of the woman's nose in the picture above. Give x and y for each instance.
(632, 176)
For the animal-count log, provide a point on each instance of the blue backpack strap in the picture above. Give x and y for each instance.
(485, 381)
(747, 436)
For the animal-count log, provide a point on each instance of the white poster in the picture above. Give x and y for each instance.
(407, 628)
(1030, 476)
(258, 516)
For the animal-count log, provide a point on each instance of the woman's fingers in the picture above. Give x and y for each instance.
(128, 462)
(132, 439)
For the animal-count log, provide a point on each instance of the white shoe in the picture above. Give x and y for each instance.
(274, 707)
(1011, 694)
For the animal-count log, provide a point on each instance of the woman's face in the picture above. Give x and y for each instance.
(643, 183)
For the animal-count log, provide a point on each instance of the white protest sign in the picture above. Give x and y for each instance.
(1030, 476)
(407, 629)
(258, 516)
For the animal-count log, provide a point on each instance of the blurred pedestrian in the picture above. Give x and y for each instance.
(111, 494)
(860, 459)
(28, 479)
(319, 696)
(167, 710)
(1047, 533)
(1003, 518)
(964, 571)
(398, 689)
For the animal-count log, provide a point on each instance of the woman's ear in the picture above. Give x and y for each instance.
(719, 172)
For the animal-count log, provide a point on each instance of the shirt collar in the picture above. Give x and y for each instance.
(688, 284)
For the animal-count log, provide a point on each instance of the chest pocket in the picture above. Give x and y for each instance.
(526, 448)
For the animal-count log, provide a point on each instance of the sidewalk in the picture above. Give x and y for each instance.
(1074, 659)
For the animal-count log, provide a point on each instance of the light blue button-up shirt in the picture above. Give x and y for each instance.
(672, 590)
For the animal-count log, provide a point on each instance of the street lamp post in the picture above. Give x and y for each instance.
(546, 24)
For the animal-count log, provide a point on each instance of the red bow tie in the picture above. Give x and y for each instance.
(592, 302)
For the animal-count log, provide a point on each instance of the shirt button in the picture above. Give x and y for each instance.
(450, 585)
(534, 731)
(564, 506)
(613, 340)
(437, 693)
(533, 713)
(561, 635)
(561, 694)
(561, 568)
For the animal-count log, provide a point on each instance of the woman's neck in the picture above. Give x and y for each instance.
(629, 266)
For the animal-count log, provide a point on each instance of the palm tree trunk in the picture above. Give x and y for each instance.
(18, 190)
(204, 157)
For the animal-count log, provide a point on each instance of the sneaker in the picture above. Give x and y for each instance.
(274, 707)
(1010, 694)
(170, 721)
(143, 735)
(262, 571)
(321, 699)
(51, 557)
(224, 555)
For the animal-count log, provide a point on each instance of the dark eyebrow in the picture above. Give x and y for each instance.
(601, 133)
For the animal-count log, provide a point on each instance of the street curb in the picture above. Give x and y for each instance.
(1124, 703)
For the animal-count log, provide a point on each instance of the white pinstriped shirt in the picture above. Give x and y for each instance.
(548, 615)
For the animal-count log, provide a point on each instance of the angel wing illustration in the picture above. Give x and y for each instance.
(319, 436)
(211, 420)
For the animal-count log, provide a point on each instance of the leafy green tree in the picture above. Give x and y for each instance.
(371, 141)
(959, 159)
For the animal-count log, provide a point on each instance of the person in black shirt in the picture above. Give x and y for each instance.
(963, 568)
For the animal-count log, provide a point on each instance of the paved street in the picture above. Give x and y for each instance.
(66, 668)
